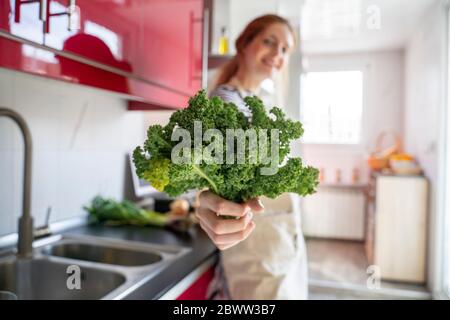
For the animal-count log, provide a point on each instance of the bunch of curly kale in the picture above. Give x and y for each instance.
(235, 182)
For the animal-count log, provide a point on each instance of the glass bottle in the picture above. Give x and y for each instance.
(223, 42)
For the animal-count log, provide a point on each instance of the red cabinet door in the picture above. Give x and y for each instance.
(171, 49)
(159, 41)
(198, 289)
(106, 32)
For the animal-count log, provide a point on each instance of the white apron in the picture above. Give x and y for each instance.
(271, 263)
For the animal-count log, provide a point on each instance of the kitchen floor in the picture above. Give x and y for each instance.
(337, 270)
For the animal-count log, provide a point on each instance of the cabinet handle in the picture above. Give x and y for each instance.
(205, 46)
(192, 21)
(191, 46)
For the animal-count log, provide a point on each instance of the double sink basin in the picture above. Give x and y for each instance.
(83, 267)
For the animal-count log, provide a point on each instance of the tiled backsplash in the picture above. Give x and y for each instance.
(80, 140)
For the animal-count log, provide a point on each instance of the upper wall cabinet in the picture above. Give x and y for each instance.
(107, 32)
(150, 50)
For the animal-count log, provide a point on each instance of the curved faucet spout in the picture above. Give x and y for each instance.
(25, 241)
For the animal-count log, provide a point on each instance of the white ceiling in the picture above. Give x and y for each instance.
(334, 26)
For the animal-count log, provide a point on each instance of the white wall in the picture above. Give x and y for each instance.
(383, 108)
(161, 117)
(80, 139)
(425, 67)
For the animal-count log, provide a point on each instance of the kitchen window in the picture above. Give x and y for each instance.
(332, 106)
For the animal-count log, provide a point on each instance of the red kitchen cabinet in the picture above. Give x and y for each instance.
(172, 48)
(150, 50)
(198, 289)
(103, 31)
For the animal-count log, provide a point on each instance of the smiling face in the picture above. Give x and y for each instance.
(269, 51)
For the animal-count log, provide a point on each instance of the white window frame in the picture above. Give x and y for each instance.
(334, 67)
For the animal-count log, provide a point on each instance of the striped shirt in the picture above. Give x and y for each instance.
(229, 93)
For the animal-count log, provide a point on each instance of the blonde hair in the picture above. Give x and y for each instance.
(255, 27)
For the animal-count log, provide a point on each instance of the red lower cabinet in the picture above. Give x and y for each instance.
(198, 289)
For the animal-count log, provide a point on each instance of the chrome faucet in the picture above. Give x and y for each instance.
(25, 241)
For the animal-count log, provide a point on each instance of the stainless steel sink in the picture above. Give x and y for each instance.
(39, 279)
(110, 268)
(102, 254)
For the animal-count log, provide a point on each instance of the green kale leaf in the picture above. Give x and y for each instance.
(235, 181)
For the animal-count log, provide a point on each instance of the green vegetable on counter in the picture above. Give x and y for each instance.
(125, 212)
(233, 181)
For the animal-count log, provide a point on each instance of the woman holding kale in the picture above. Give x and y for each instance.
(271, 262)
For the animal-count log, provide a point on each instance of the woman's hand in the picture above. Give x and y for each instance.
(226, 233)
